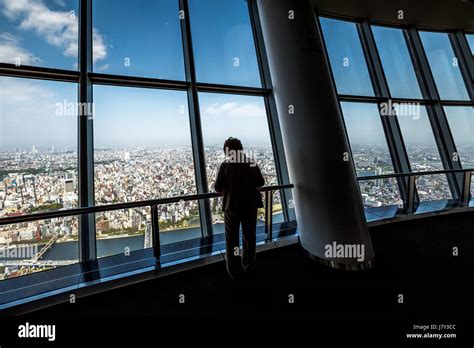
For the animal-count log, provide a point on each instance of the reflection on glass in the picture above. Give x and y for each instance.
(461, 122)
(39, 33)
(38, 135)
(396, 62)
(148, 45)
(367, 138)
(346, 57)
(143, 150)
(444, 66)
(223, 43)
(243, 117)
(38, 246)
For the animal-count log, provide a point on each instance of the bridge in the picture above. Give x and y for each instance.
(50, 243)
(45, 263)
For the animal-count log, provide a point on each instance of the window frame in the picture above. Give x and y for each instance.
(87, 79)
(431, 100)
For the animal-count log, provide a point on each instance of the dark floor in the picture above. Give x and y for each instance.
(413, 258)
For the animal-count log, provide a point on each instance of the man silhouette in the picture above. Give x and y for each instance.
(238, 179)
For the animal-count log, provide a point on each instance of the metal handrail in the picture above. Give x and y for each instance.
(408, 174)
(411, 189)
(153, 204)
(117, 206)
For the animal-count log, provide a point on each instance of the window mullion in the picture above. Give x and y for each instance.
(87, 236)
(195, 120)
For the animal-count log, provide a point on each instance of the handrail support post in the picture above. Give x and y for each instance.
(410, 208)
(466, 189)
(269, 214)
(155, 229)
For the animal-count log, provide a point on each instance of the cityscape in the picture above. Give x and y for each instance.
(375, 160)
(45, 179)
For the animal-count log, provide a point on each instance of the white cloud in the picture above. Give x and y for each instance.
(235, 109)
(58, 28)
(28, 113)
(102, 67)
(11, 52)
(26, 95)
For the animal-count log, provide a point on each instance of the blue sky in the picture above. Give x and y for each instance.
(140, 40)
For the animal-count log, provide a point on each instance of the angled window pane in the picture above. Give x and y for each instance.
(424, 155)
(470, 40)
(444, 66)
(148, 44)
(396, 62)
(39, 33)
(419, 141)
(224, 48)
(370, 154)
(38, 173)
(461, 122)
(143, 151)
(346, 57)
(243, 117)
(367, 138)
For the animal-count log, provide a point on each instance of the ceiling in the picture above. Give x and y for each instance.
(430, 14)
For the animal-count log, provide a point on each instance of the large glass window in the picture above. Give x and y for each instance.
(346, 57)
(141, 132)
(396, 62)
(38, 173)
(39, 33)
(370, 153)
(38, 135)
(142, 151)
(369, 129)
(419, 141)
(461, 122)
(424, 155)
(444, 66)
(224, 48)
(243, 117)
(149, 45)
(367, 138)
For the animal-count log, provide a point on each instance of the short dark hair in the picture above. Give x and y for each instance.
(232, 144)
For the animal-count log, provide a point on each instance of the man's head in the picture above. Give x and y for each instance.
(232, 145)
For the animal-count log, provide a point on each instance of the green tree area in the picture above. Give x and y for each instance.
(183, 223)
(46, 207)
(29, 171)
(120, 231)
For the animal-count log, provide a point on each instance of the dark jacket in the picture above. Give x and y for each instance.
(239, 182)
